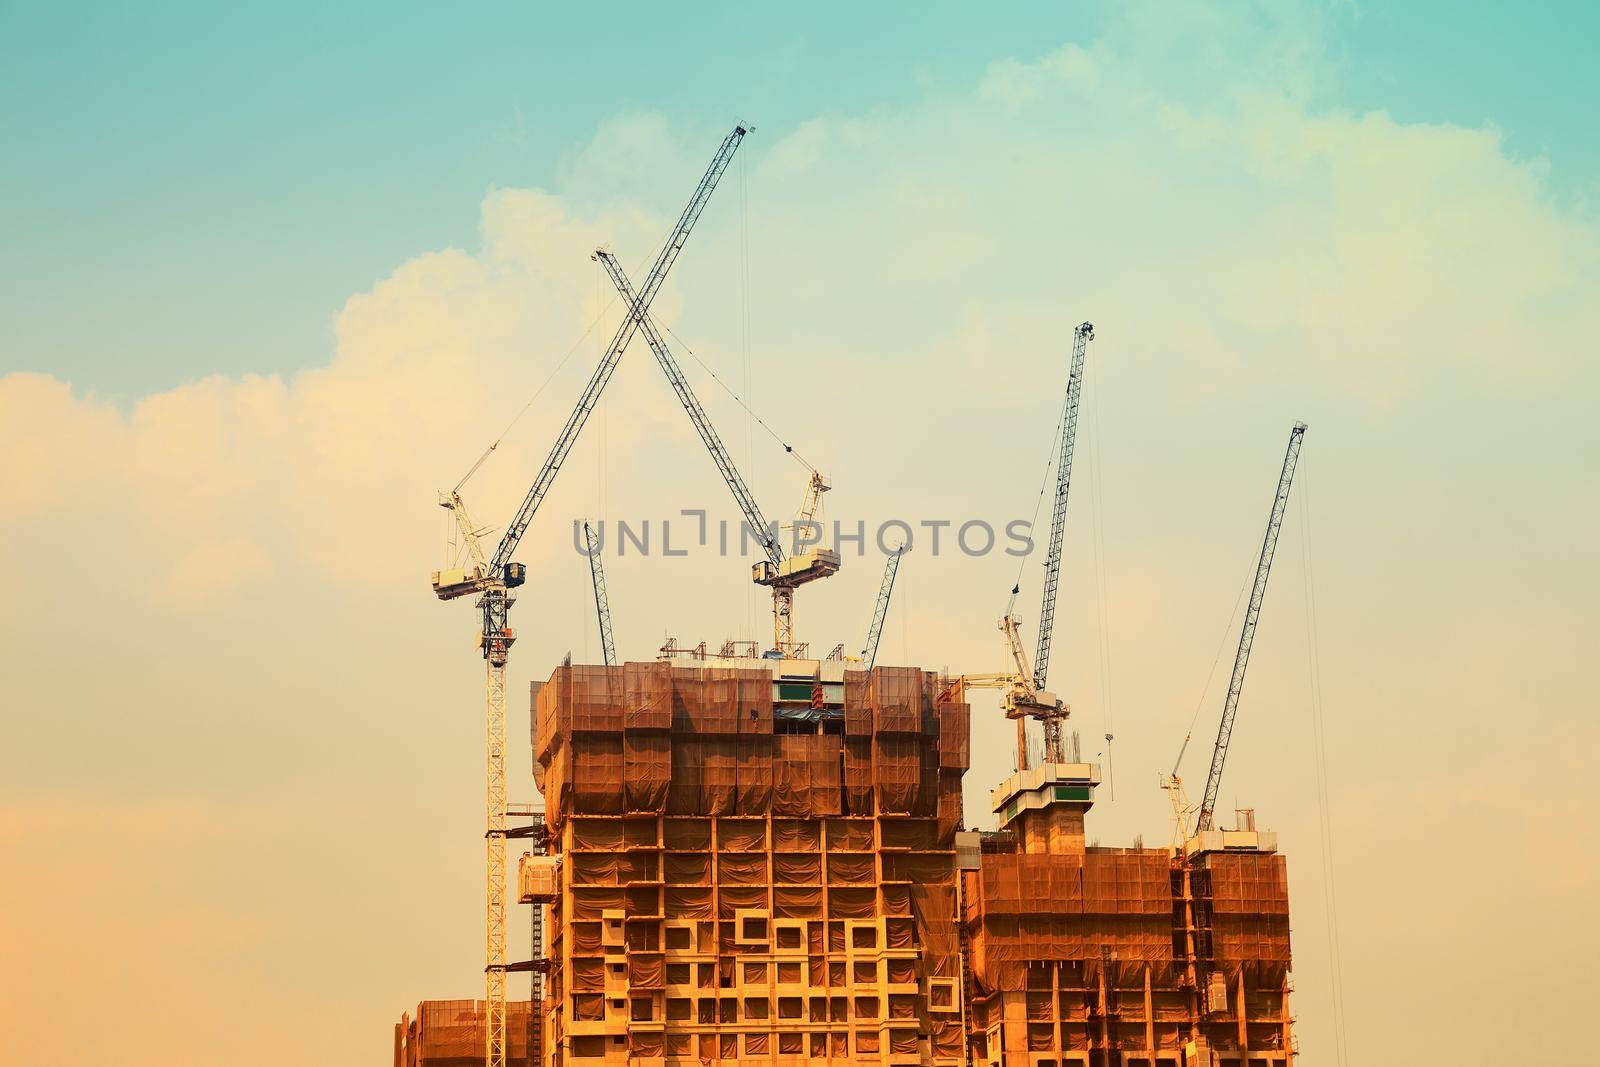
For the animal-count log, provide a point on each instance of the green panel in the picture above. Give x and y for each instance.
(790, 691)
(1072, 792)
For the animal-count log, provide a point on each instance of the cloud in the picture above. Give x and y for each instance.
(207, 572)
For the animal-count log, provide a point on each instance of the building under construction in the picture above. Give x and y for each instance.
(761, 857)
(763, 861)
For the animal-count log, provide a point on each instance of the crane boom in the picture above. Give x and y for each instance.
(1247, 635)
(602, 599)
(697, 414)
(1058, 515)
(602, 374)
(782, 574)
(869, 653)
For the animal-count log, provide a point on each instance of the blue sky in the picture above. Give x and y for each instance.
(199, 188)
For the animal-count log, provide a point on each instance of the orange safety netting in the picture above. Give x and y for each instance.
(896, 772)
(797, 868)
(798, 835)
(918, 867)
(849, 835)
(851, 868)
(908, 833)
(1127, 883)
(734, 868)
(687, 834)
(896, 695)
(685, 902)
(934, 908)
(797, 902)
(955, 736)
(646, 970)
(741, 835)
(733, 898)
(452, 1031)
(687, 868)
(646, 770)
(1249, 884)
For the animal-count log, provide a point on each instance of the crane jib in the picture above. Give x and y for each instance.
(608, 363)
(697, 414)
(869, 652)
(1058, 515)
(1247, 634)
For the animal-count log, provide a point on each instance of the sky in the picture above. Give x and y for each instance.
(274, 275)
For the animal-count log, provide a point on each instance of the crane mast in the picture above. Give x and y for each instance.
(869, 652)
(1053, 750)
(494, 579)
(1247, 635)
(602, 599)
(782, 574)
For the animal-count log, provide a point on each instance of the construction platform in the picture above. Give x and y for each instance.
(764, 861)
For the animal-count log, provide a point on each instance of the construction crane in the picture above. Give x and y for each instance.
(1025, 696)
(1053, 751)
(783, 574)
(492, 580)
(602, 599)
(869, 651)
(1241, 659)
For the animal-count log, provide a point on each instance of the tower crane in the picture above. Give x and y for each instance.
(869, 651)
(1024, 694)
(493, 578)
(1241, 659)
(602, 599)
(783, 574)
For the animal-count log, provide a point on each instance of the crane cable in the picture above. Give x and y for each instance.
(1097, 510)
(596, 321)
(599, 318)
(750, 412)
(1205, 690)
(1320, 761)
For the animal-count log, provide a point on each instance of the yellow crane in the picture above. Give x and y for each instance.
(492, 578)
(1024, 687)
